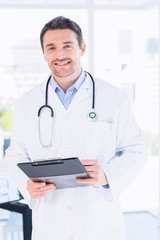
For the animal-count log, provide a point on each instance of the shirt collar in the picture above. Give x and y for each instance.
(76, 85)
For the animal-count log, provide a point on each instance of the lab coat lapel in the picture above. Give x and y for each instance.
(55, 102)
(84, 92)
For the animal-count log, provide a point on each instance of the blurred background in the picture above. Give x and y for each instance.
(122, 38)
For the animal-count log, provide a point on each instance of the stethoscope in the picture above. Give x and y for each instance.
(92, 115)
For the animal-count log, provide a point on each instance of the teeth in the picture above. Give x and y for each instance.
(62, 63)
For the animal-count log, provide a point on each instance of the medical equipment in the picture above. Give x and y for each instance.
(92, 116)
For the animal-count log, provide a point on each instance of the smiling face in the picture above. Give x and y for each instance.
(63, 54)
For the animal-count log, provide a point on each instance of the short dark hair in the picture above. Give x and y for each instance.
(62, 23)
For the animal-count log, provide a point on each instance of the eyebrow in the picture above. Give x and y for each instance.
(68, 42)
(49, 45)
(52, 44)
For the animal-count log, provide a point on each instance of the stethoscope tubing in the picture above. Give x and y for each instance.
(46, 101)
(46, 96)
(93, 93)
(92, 116)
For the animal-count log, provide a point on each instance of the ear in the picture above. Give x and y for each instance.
(83, 49)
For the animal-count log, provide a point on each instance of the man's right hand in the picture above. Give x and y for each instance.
(39, 189)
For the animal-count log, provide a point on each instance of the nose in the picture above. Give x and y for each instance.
(60, 54)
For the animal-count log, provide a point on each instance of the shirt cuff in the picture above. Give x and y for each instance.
(105, 186)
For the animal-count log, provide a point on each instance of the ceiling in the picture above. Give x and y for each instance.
(98, 4)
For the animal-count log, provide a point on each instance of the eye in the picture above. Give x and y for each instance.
(68, 46)
(51, 48)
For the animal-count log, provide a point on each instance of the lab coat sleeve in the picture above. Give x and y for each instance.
(129, 158)
(17, 153)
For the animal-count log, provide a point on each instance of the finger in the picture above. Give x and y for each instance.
(42, 192)
(42, 185)
(32, 189)
(43, 189)
(48, 186)
(91, 180)
(39, 189)
(35, 184)
(89, 162)
(91, 168)
(93, 174)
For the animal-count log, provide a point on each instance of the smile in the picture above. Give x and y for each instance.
(62, 63)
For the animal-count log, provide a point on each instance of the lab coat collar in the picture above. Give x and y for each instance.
(85, 91)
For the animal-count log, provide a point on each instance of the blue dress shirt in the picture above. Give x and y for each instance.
(66, 97)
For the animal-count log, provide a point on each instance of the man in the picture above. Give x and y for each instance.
(110, 147)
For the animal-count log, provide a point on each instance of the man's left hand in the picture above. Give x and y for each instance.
(97, 175)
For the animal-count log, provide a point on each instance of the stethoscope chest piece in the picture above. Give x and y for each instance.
(92, 116)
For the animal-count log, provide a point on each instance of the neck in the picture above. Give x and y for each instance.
(67, 82)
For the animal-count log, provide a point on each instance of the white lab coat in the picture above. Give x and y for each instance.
(114, 140)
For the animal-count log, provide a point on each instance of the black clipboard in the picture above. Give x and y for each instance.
(62, 172)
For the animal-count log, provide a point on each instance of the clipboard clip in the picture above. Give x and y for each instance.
(47, 162)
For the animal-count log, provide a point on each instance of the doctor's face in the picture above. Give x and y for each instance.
(63, 53)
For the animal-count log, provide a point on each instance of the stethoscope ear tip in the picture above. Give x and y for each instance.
(92, 116)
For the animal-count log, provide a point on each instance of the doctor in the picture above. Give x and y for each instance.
(108, 142)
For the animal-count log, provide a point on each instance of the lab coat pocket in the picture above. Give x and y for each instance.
(97, 136)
